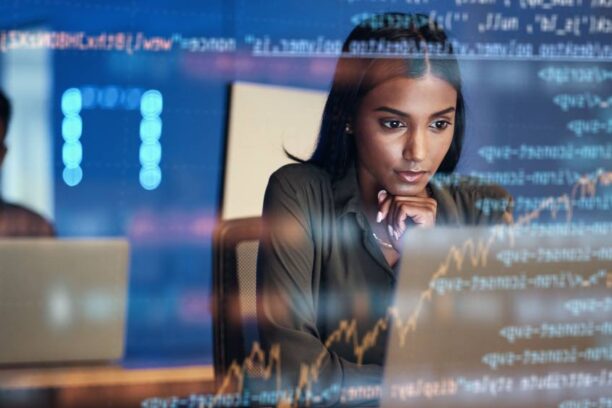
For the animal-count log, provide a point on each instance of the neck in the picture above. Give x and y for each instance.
(368, 191)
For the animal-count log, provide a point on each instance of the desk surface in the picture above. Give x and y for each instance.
(99, 386)
(61, 377)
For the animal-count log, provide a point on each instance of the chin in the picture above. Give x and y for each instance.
(405, 189)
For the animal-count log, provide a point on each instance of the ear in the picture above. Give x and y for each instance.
(348, 128)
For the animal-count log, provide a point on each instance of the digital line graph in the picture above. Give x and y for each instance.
(474, 252)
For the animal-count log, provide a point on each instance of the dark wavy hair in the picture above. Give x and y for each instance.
(5, 114)
(382, 47)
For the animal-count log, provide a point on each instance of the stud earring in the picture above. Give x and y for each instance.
(348, 129)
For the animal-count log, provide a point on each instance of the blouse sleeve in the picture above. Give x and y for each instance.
(500, 208)
(287, 292)
(483, 204)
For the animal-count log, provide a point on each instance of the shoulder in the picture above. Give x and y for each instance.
(479, 202)
(17, 220)
(301, 179)
(300, 173)
(298, 188)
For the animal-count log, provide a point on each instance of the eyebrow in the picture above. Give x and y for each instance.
(404, 114)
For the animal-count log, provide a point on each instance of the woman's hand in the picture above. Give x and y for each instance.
(396, 211)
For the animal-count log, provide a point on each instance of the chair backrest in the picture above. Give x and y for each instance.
(234, 307)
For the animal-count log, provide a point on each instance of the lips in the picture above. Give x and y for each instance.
(412, 177)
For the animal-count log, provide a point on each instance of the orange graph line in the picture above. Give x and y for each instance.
(255, 362)
(585, 187)
(477, 254)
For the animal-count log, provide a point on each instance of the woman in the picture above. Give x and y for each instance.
(333, 223)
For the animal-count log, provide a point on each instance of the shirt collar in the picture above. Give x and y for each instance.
(346, 193)
(447, 212)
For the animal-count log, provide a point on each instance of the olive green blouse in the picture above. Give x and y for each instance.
(319, 265)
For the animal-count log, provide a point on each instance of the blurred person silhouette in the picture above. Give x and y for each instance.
(17, 220)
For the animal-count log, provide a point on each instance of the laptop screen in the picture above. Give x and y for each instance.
(501, 317)
(62, 300)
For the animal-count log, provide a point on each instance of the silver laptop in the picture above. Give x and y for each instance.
(62, 300)
(502, 318)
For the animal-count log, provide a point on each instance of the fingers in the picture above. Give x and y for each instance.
(398, 211)
(420, 210)
(423, 214)
(384, 203)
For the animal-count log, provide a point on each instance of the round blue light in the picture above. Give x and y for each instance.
(72, 176)
(72, 102)
(89, 97)
(150, 154)
(111, 97)
(72, 154)
(150, 129)
(72, 128)
(151, 104)
(150, 177)
(133, 98)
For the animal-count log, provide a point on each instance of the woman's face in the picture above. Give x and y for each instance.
(403, 129)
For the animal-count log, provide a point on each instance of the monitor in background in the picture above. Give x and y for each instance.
(258, 132)
(62, 300)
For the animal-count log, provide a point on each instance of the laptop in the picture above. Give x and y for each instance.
(502, 317)
(62, 300)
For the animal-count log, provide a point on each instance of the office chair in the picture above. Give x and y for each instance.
(234, 308)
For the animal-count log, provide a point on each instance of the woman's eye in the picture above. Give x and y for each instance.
(440, 124)
(393, 124)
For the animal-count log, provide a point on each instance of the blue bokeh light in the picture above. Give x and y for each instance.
(72, 128)
(89, 97)
(72, 176)
(150, 153)
(133, 98)
(151, 104)
(150, 129)
(72, 102)
(150, 177)
(111, 97)
(72, 154)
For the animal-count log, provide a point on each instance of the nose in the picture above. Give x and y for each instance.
(415, 146)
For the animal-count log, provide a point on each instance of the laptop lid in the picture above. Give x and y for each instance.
(501, 317)
(62, 300)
